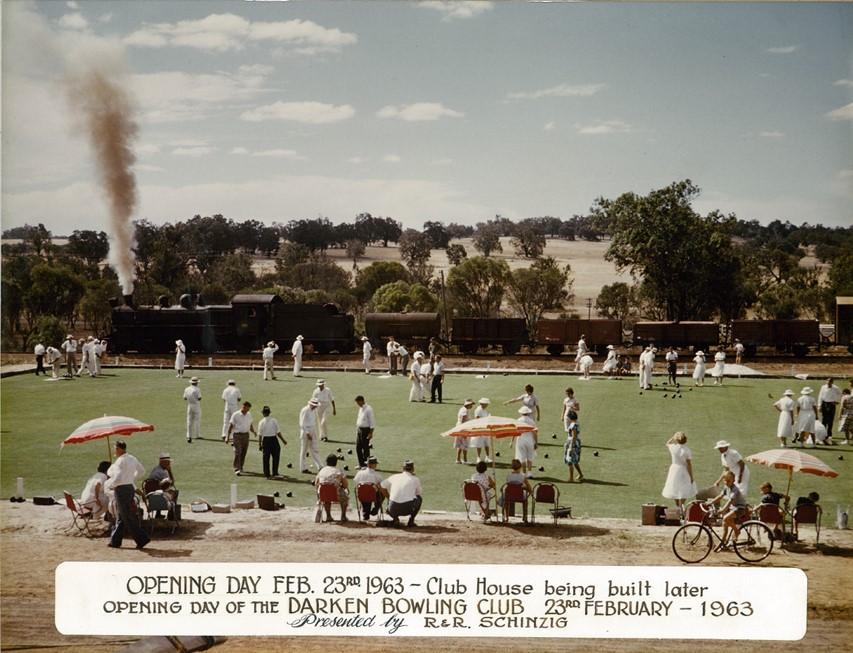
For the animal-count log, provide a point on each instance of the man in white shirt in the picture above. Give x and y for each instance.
(269, 434)
(733, 462)
(192, 395)
(309, 444)
(88, 362)
(296, 352)
(827, 401)
(437, 372)
(54, 359)
(672, 365)
(738, 352)
(231, 397)
(369, 476)
(100, 350)
(417, 376)
(404, 494)
(391, 354)
(325, 400)
(69, 346)
(365, 423)
(39, 354)
(123, 474)
(366, 349)
(238, 431)
(268, 356)
(331, 475)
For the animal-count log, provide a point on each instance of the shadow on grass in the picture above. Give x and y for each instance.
(594, 481)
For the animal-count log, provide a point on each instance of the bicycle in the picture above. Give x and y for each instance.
(694, 541)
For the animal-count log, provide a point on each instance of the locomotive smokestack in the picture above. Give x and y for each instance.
(128, 300)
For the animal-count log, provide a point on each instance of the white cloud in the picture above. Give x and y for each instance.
(604, 127)
(457, 9)
(201, 150)
(418, 112)
(71, 4)
(391, 158)
(776, 135)
(845, 174)
(445, 161)
(842, 113)
(145, 167)
(560, 90)
(146, 148)
(357, 160)
(229, 32)
(784, 49)
(313, 113)
(848, 83)
(176, 96)
(280, 154)
(549, 126)
(73, 21)
(239, 150)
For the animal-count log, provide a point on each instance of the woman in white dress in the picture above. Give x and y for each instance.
(586, 366)
(483, 441)
(610, 362)
(570, 404)
(679, 481)
(806, 417)
(719, 367)
(180, 358)
(699, 370)
(785, 406)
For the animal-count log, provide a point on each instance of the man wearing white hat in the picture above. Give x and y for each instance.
(699, 369)
(785, 427)
(417, 376)
(69, 346)
(806, 417)
(391, 354)
(828, 400)
(180, 358)
(268, 357)
(162, 473)
(308, 440)
(672, 365)
(610, 362)
(296, 352)
(482, 441)
(527, 443)
(231, 397)
(192, 395)
(366, 349)
(733, 462)
(54, 359)
(325, 400)
(461, 444)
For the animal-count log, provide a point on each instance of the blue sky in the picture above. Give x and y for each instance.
(432, 110)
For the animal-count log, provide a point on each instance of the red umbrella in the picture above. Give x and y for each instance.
(104, 427)
(794, 461)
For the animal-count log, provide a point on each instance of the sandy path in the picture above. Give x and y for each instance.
(250, 536)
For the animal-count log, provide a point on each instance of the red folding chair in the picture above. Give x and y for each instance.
(81, 516)
(513, 493)
(472, 493)
(548, 493)
(807, 514)
(367, 493)
(774, 517)
(695, 513)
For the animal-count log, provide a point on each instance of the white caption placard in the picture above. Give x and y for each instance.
(103, 598)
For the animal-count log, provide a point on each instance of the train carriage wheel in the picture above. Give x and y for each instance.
(555, 350)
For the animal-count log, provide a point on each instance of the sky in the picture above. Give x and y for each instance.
(432, 110)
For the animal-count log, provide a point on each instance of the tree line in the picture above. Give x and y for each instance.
(683, 266)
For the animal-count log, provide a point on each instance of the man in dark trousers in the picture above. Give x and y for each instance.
(365, 423)
(123, 474)
(437, 372)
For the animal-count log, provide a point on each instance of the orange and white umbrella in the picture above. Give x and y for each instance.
(489, 427)
(794, 461)
(104, 427)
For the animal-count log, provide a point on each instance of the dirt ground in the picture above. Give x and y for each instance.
(292, 536)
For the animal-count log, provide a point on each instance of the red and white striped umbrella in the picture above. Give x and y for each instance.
(490, 427)
(104, 427)
(793, 460)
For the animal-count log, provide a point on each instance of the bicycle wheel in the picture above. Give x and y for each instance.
(754, 542)
(692, 543)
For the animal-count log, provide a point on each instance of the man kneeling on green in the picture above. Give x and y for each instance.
(404, 494)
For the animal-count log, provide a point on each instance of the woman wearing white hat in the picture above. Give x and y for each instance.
(481, 442)
(610, 362)
(461, 444)
(806, 417)
(785, 406)
(719, 370)
(526, 443)
(366, 350)
(180, 358)
(699, 369)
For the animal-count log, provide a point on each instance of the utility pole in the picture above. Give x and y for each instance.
(589, 308)
(444, 301)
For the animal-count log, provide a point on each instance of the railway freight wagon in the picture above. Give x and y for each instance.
(471, 333)
(412, 329)
(795, 336)
(698, 335)
(844, 322)
(244, 325)
(556, 335)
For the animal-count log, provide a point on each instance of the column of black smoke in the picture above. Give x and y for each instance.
(106, 111)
